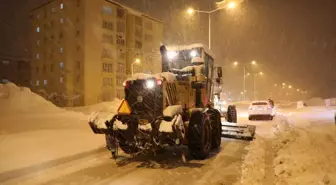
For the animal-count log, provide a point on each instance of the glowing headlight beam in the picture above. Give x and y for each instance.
(150, 84)
(193, 53)
(171, 54)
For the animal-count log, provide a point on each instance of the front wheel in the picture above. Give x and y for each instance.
(232, 114)
(199, 135)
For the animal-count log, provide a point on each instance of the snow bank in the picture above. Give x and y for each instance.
(100, 107)
(306, 156)
(14, 99)
(303, 152)
(316, 101)
(254, 166)
(34, 131)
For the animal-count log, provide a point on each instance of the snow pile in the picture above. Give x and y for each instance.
(302, 151)
(33, 131)
(316, 101)
(306, 156)
(14, 99)
(100, 107)
(254, 166)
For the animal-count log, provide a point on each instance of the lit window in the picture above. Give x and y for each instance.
(107, 10)
(4, 81)
(5, 62)
(61, 20)
(37, 83)
(38, 56)
(61, 50)
(45, 82)
(61, 6)
(38, 29)
(61, 79)
(61, 65)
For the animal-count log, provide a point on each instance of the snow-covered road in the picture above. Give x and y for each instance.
(223, 167)
(43, 144)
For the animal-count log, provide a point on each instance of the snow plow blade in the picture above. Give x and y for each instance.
(232, 130)
(97, 130)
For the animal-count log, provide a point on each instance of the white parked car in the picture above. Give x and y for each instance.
(261, 110)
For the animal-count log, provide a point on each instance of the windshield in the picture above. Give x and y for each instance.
(183, 58)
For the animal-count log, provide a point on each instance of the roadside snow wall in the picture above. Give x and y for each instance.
(14, 99)
(301, 153)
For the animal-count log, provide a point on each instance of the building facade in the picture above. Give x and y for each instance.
(82, 50)
(15, 70)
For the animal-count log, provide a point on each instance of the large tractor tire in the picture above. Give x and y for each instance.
(216, 126)
(232, 114)
(199, 135)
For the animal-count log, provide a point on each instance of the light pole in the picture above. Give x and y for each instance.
(221, 5)
(254, 84)
(136, 61)
(245, 74)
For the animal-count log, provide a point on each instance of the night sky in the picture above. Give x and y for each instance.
(294, 40)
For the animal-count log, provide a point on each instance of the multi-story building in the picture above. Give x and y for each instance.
(83, 49)
(15, 70)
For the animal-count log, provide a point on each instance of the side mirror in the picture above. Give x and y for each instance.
(219, 72)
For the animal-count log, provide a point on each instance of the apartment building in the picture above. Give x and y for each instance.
(15, 70)
(83, 49)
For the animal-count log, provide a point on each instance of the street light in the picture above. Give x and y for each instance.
(229, 5)
(289, 86)
(232, 5)
(254, 83)
(136, 61)
(253, 62)
(190, 11)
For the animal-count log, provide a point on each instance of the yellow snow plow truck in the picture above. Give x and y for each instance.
(170, 108)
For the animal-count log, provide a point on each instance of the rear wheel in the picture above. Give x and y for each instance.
(199, 135)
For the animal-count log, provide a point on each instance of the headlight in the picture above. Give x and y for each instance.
(193, 53)
(150, 84)
(171, 54)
